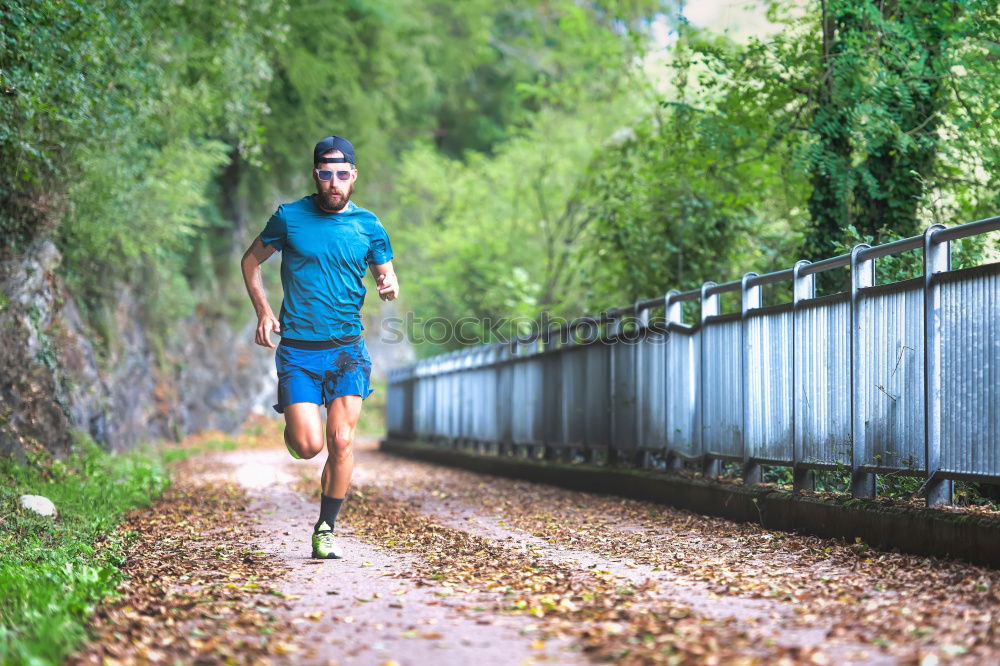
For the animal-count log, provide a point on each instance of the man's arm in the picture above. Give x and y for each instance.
(255, 255)
(385, 280)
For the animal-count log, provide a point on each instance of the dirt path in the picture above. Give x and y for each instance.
(365, 609)
(449, 567)
(821, 599)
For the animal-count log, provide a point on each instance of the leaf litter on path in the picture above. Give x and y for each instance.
(610, 619)
(911, 608)
(196, 591)
(199, 598)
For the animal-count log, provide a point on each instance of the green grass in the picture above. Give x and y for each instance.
(172, 454)
(54, 571)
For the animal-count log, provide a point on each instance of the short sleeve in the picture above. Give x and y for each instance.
(379, 249)
(275, 231)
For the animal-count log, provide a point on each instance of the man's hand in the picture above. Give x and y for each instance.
(265, 324)
(388, 286)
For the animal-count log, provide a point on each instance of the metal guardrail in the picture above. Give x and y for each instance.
(894, 378)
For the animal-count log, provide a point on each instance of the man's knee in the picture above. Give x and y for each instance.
(308, 445)
(341, 441)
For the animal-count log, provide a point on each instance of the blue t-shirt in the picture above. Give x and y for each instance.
(323, 261)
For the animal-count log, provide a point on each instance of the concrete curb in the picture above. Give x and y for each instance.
(932, 532)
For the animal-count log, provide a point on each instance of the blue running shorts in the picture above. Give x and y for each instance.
(320, 375)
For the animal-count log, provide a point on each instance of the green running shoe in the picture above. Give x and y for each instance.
(324, 547)
(292, 451)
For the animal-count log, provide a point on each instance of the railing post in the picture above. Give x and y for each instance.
(504, 433)
(674, 315)
(672, 308)
(749, 299)
(468, 386)
(803, 287)
(454, 400)
(709, 308)
(862, 275)
(479, 407)
(612, 329)
(433, 381)
(538, 436)
(937, 259)
(564, 410)
(428, 401)
(641, 386)
(551, 386)
(514, 351)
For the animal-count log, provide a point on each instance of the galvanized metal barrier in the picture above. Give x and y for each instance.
(897, 378)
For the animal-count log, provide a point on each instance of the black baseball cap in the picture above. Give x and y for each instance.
(333, 143)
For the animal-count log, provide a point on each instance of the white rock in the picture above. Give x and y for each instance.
(40, 505)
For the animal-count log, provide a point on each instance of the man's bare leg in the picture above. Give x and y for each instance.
(341, 421)
(304, 435)
(304, 429)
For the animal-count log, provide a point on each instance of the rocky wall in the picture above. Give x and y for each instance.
(53, 381)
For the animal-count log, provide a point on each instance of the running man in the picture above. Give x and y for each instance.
(326, 243)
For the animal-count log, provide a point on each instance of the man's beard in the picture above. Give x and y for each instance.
(335, 204)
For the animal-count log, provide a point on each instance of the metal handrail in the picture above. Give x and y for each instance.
(731, 374)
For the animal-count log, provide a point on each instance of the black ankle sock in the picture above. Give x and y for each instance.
(328, 509)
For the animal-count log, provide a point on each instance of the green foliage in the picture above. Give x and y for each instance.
(48, 51)
(778, 475)
(145, 135)
(868, 121)
(515, 151)
(500, 232)
(118, 116)
(54, 571)
(460, 77)
(385, 74)
(888, 107)
(492, 231)
(898, 485)
(834, 480)
(977, 494)
(701, 189)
